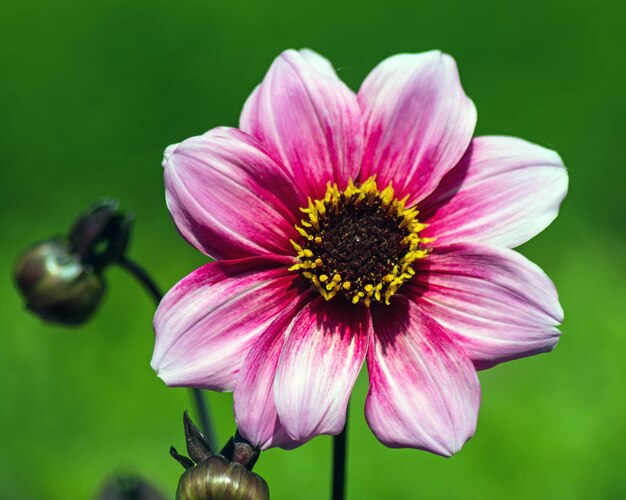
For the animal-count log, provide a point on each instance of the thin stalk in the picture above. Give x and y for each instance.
(202, 408)
(142, 276)
(339, 463)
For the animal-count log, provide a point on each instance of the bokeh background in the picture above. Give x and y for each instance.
(92, 92)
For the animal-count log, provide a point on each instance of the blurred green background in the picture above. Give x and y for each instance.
(92, 92)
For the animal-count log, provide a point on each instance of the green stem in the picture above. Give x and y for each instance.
(339, 463)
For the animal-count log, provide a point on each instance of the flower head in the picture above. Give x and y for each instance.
(352, 228)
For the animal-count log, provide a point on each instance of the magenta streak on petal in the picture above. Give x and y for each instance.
(325, 348)
(494, 302)
(424, 392)
(309, 119)
(206, 324)
(503, 192)
(418, 122)
(228, 197)
(255, 411)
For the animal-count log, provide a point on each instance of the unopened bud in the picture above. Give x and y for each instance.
(61, 279)
(224, 476)
(129, 487)
(216, 477)
(56, 285)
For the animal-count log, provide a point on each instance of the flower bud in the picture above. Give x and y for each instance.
(61, 279)
(56, 285)
(216, 477)
(225, 476)
(129, 487)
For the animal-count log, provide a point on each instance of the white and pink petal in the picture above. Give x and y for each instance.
(229, 198)
(493, 302)
(418, 122)
(255, 410)
(424, 391)
(503, 192)
(325, 349)
(206, 324)
(310, 120)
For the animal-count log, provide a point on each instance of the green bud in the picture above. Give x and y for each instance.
(61, 279)
(56, 285)
(216, 477)
(227, 476)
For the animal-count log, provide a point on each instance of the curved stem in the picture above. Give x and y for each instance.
(339, 463)
(141, 275)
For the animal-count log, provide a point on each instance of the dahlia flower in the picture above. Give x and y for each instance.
(350, 229)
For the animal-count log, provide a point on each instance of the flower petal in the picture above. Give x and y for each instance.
(494, 302)
(255, 411)
(503, 192)
(228, 197)
(320, 63)
(206, 324)
(309, 119)
(418, 122)
(424, 392)
(325, 348)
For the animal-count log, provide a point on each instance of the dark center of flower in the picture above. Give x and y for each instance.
(360, 242)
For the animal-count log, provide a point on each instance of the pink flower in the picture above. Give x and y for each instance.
(354, 228)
